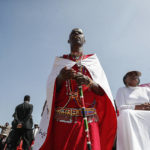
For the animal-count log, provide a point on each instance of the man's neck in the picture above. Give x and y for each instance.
(77, 51)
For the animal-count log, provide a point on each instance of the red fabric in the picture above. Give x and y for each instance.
(71, 136)
(146, 84)
(107, 123)
(20, 146)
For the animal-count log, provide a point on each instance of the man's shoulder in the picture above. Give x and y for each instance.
(67, 55)
(64, 56)
(19, 105)
(31, 105)
(88, 55)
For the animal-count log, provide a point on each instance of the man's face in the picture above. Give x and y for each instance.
(7, 124)
(35, 126)
(76, 37)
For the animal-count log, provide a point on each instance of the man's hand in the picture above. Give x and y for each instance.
(67, 74)
(81, 79)
(19, 125)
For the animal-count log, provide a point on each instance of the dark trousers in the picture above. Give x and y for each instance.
(16, 135)
(1, 145)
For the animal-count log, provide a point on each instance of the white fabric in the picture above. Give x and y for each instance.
(128, 97)
(133, 132)
(97, 74)
(35, 131)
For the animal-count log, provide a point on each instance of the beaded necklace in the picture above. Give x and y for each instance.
(72, 90)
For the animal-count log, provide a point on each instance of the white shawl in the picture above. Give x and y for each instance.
(97, 74)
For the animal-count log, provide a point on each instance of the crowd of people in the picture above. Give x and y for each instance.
(80, 112)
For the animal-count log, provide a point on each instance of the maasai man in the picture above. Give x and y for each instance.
(62, 124)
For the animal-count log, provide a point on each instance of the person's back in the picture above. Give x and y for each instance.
(21, 126)
(23, 115)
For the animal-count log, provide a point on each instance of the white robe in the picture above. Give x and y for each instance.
(97, 74)
(133, 131)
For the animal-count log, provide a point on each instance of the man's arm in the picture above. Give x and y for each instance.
(66, 74)
(59, 81)
(16, 116)
(3, 127)
(96, 88)
(145, 106)
(82, 79)
(16, 121)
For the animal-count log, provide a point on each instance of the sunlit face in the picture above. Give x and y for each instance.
(76, 37)
(132, 80)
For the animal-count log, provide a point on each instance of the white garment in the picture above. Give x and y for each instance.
(97, 74)
(128, 97)
(35, 131)
(133, 132)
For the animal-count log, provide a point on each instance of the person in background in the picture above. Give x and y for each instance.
(3, 138)
(21, 126)
(5, 129)
(4, 134)
(35, 129)
(133, 103)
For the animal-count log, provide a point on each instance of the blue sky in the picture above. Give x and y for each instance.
(33, 32)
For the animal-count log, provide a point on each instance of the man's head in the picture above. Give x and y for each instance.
(76, 37)
(36, 126)
(26, 98)
(6, 124)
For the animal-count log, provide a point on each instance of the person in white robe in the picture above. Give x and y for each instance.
(133, 103)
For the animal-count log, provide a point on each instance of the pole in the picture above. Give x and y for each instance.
(85, 118)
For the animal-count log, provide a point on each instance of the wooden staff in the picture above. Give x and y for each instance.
(85, 118)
